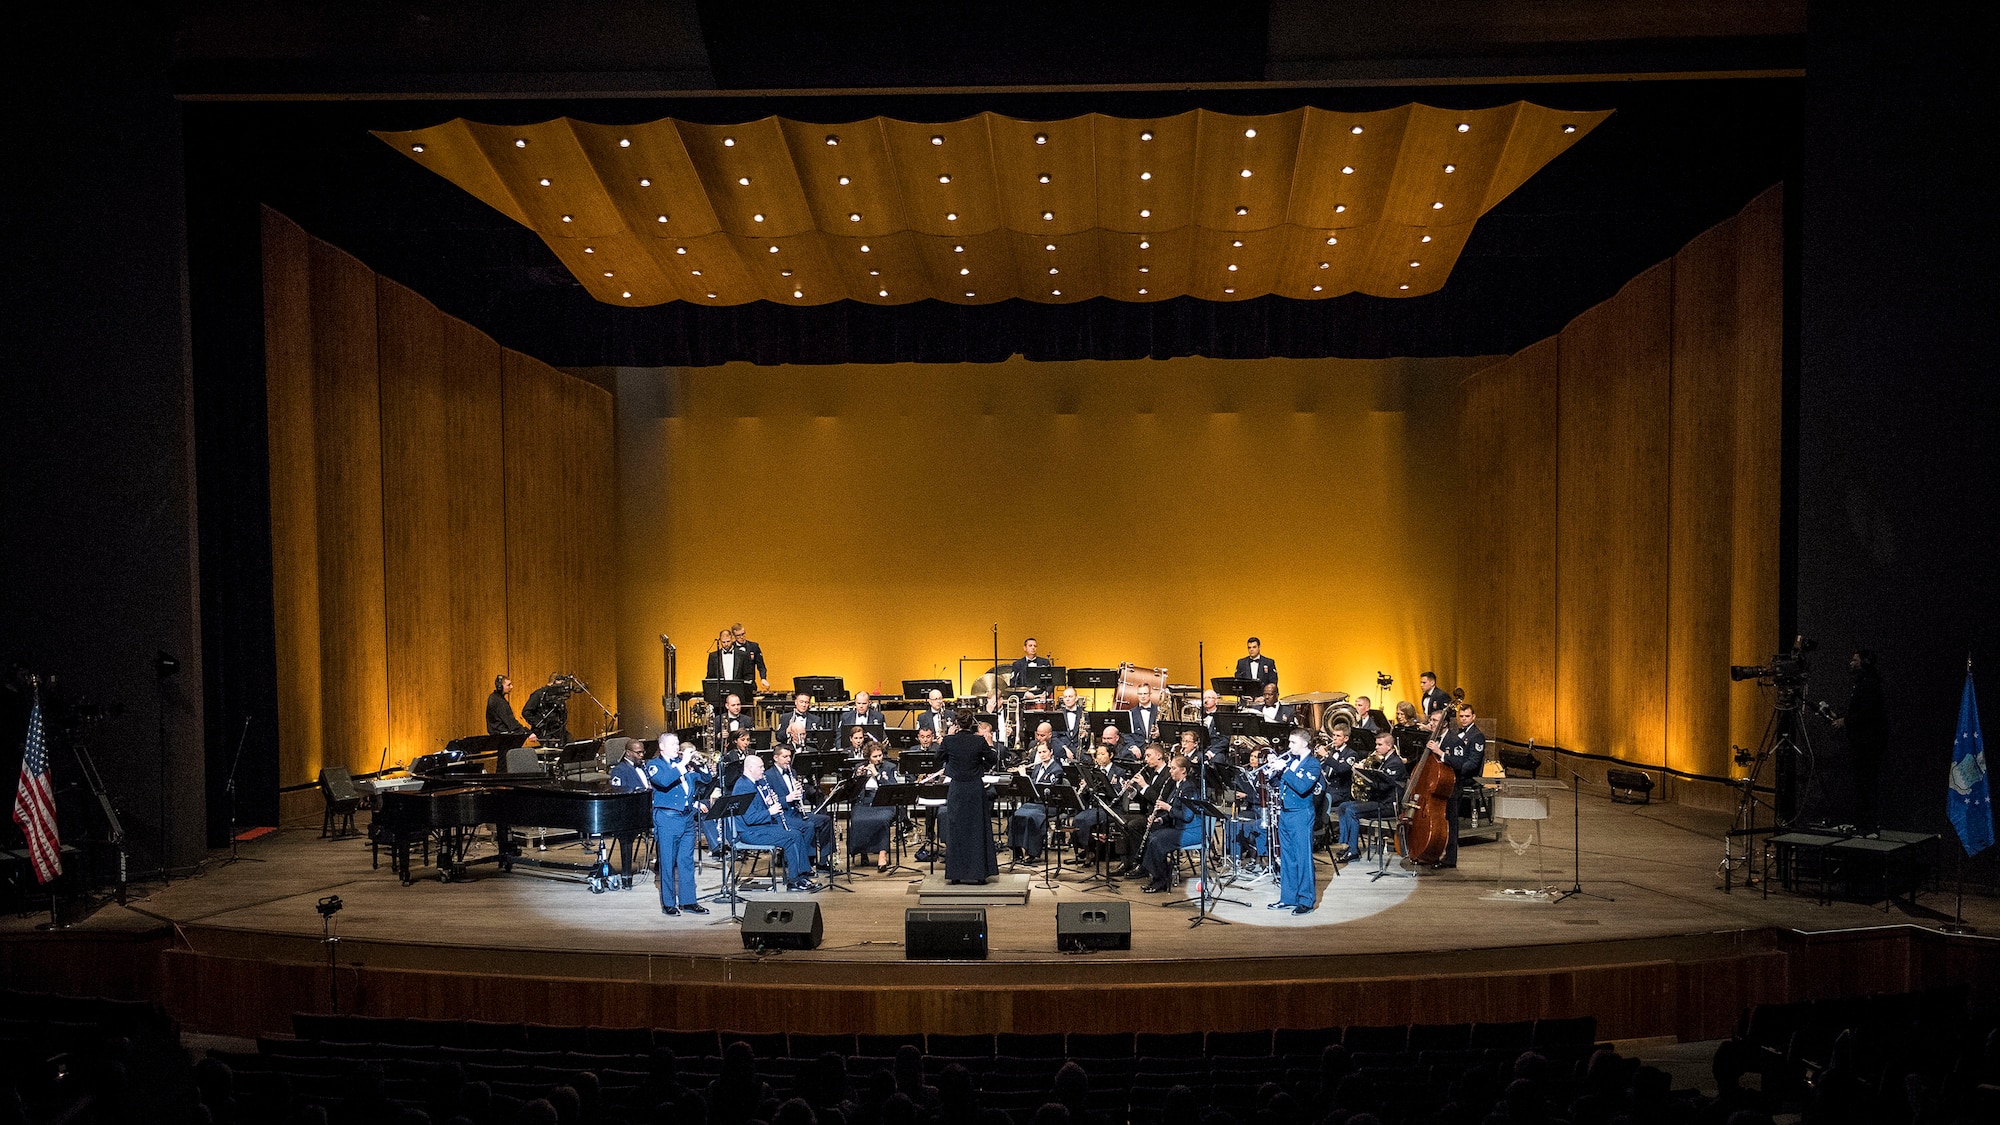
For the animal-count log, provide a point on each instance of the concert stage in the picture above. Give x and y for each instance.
(238, 949)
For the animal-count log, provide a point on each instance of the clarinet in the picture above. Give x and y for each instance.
(772, 804)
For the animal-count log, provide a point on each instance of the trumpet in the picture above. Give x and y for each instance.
(692, 757)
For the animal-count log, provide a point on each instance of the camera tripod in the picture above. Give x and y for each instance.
(1786, 748)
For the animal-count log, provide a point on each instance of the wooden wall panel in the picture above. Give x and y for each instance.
(1481, 534)
(557, 468)
(348, 463)
(1528, 485)
(288, 377)
(444, 531)
(1611, 529)
(1758, 420)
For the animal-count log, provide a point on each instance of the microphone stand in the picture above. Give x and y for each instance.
(229, 791)
(1576, 845)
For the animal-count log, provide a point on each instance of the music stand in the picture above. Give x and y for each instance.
(1209, 892)
(727, 810)
(823, 689)
(935, 792)
(1042, 679)
(902, 796)
(1061, 802)
(1241, 689)
(922, 689)
(847, 791)
(1172, 729)
(903, 738)
(718, 691)
(875, 732)
(818, 763)
(1229, 724)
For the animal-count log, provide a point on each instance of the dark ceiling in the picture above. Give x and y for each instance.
(272, 118)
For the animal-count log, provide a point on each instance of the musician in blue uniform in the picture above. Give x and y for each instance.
(1246, 829)
(1374, 793)
(1174, 824)
(1464, 750)
(871, 828)
(767, 822)
(1298, 786)
(1103, 781)
(818, 825)
(628, 775)
(1028, 828)
(676, 779)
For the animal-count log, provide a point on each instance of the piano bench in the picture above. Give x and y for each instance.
(775, 852)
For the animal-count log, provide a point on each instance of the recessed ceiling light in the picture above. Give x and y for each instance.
(1316, 288)
(1227, 290)
(1249, 132)
(1145, 212)
(645, 182)
(968, 292)
(1426, 238)
(1347, 170)
(1438, 206)
(520, 142)
(696, 273)
(864, 248)
(416, 148)
(1044, 177)
(1055, 292)
(1414, 265)
(1236, 242)
(1142, 292)
(832, 139)
(874, 273)
(962, 271)
(711, 296)
(1241, 210)
(1450, 168)
(1404, 287)
(798, 292)
(590, 249)
(624, 142)
(784, 273)
(843, 181)
(944, 179)
(1052, 269)
(951, 216)
(937, 139)
(1050, 246)
(1338, 208)
(854, 216)
(1245, 173)
(881, 292)
(729, 142)
(743, 180)
(774, 249)
(628, 294)
(566, 218)
(958, 249)
(758, 218)
(1145, 269)
(1041, 138)
(607, 273)
(1232, 267)
(545, 181)
(1047, 215)
(1464, 128)
(1356, 130)
(1332, 241)
(1569, 128)
(1146, 136)
(680, 249)
(1144, 245)
(662, 218)
(1324, 265)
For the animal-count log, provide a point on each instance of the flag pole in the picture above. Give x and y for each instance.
(1957, 924)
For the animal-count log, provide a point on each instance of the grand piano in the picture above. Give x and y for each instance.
(458, 793)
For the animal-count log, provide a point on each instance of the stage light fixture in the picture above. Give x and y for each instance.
(1246, 173)
(843, 181)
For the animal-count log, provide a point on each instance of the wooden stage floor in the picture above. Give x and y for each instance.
(1655, 866)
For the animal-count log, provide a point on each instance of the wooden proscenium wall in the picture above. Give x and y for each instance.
(441, 511)
(1621, 509)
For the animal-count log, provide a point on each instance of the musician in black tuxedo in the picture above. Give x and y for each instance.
(863, 713)
(1272, 710)
(499, 712)
(1257, 666)
(730, 719)
(802, 712)
(1433, 697)
(1075, 720)
(792, 790)
(1464, 750)
(730, 661)
(1145, 717)
(937, 720)
(1028, 659)
(755, 652)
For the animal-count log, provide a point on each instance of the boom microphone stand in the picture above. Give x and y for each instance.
(1576, 845)
(229, 791)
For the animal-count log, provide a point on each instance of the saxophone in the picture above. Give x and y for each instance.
(1360, 788)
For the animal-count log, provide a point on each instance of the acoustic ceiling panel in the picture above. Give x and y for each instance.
(1304, 204)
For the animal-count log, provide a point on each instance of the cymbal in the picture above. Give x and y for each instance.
(1316, 697)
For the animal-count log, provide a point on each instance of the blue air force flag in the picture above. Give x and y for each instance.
(1969, 802)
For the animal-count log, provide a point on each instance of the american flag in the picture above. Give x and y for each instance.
(35, 801)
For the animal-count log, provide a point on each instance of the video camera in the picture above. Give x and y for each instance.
(1785, 670)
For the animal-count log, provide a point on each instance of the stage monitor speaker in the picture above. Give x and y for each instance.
(1093, 925)
(1630, 787)
(791, 924)
(337, 783)
(945, 935)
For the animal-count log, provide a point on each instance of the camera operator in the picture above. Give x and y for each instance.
(1866, 723)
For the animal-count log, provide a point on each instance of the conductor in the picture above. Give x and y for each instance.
(969, 855)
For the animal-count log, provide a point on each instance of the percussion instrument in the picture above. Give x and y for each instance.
(1322, 710)
(1130, 676)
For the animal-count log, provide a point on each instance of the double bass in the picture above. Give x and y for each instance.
(1425, 819)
